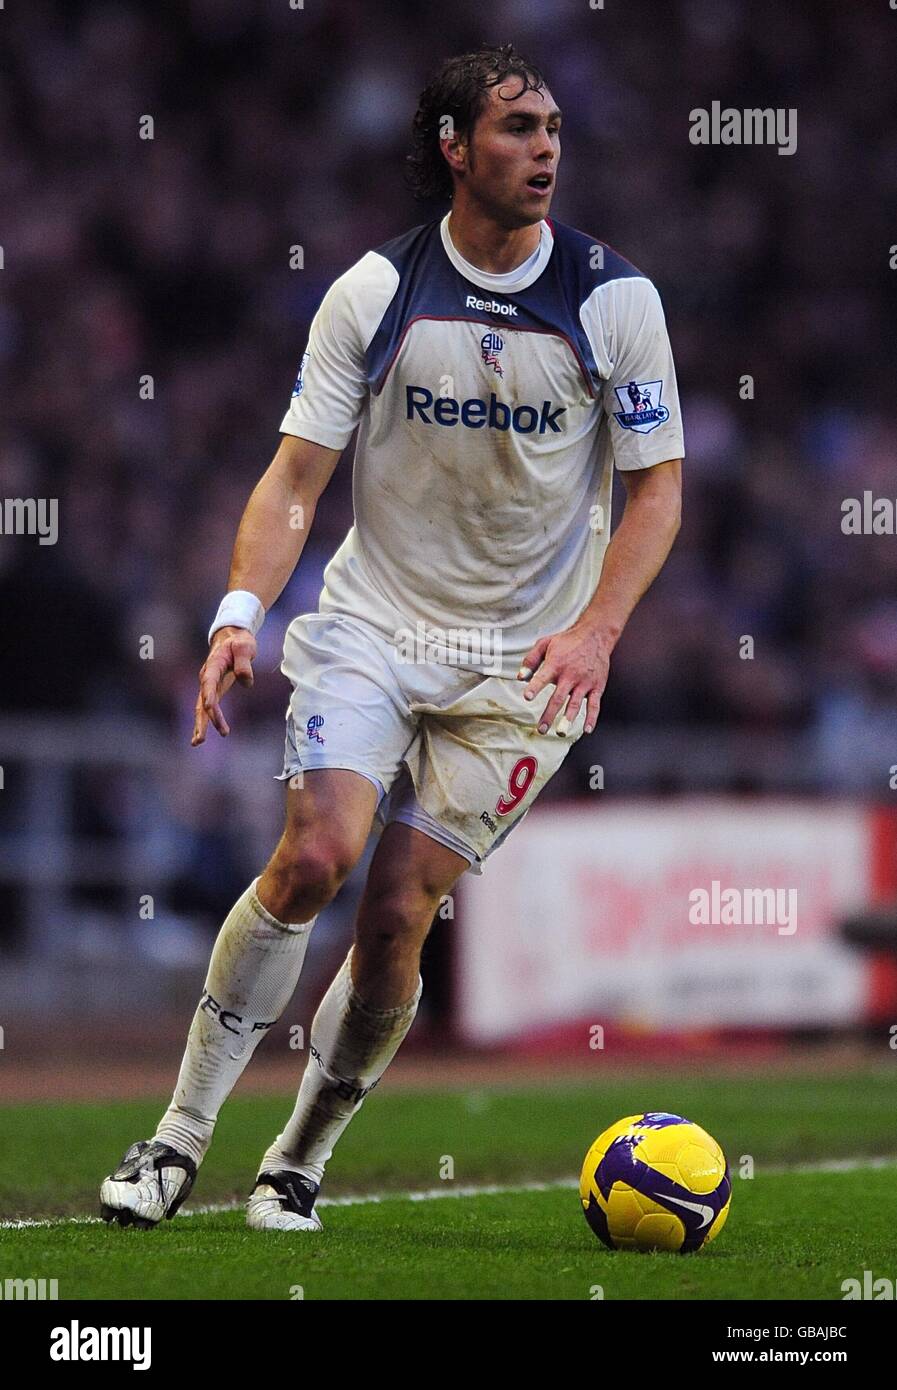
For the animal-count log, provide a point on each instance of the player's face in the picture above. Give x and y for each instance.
(512, 156)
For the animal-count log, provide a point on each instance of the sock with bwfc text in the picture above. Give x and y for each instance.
(351, 1045)
(252, 975)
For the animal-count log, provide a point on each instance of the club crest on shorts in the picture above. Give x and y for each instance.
(491, 344)
(642, 410)
(300, 384)
(315, 723)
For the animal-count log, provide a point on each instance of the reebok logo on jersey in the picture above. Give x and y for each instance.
(475, 412)
(491, 306)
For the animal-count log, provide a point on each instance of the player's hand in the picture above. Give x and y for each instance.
(576, 662)
(230, 659)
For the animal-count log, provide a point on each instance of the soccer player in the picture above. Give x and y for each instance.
(492, 361)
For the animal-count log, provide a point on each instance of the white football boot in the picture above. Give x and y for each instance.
(283, 1201)
(151, 1181)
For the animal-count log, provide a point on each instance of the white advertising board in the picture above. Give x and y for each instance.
(672, 915)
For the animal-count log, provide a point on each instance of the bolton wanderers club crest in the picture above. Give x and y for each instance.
(491, 345)
(311, 729)
(642, 410)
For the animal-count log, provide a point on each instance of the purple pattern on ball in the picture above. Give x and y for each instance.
(696, 1210)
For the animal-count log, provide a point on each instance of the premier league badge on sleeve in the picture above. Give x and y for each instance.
(300, 384)
(642, 410)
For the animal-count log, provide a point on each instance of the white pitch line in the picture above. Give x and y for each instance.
(369, 1199)
(835, 1165)
(434, 1194)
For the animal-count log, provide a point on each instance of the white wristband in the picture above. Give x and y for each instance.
(239, 608)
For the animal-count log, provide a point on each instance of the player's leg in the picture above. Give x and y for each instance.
(360, 1023)
(479, 763)
(252, 975)
(259, 953)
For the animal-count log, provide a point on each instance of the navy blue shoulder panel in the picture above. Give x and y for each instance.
(427, 289)
(578, 265)
(590, 261)
(430, 287)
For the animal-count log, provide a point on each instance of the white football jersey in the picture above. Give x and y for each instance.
(492, 410)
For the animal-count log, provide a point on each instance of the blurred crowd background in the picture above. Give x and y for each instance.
(170, 257)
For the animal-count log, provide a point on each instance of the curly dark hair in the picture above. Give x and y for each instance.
(459, 90)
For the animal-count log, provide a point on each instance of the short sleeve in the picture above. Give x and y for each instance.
(625, 322)
(331, 387)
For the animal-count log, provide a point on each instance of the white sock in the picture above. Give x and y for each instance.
(351, 1045)
(252, 975)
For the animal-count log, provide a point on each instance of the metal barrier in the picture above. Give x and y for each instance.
(153, 782)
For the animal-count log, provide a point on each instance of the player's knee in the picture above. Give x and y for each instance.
(398, 916)
(308, 876)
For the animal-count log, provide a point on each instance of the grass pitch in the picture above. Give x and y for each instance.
(791, 1233)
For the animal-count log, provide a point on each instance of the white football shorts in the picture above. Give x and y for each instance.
(455, 753)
